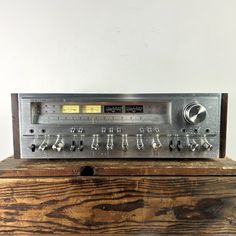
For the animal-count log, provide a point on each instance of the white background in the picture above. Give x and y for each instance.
(132, 46)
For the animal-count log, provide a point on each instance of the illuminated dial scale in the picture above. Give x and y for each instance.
(98, 114)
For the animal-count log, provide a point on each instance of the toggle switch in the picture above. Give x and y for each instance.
(139, 139)
(156, 143)
(180, 147)
(110, 144)
(32, 147)
(81, 143)
(171, 145)
(124, 142)
(193, 145)
(45, 143)
(73, 143)
(206, 145)
(59, 144)
(95, 142)
(73, 146)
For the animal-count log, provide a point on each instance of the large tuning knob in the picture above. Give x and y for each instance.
(194, 113)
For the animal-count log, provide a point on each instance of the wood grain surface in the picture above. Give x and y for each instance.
(15, 124)
(11, 167)
(119, 205)
(223, 124)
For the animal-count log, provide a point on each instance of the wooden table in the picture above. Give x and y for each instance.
(145, 197)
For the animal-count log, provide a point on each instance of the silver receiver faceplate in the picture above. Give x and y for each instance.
(119, 125)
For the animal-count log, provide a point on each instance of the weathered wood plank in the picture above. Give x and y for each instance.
(122, 205)
(52, 168)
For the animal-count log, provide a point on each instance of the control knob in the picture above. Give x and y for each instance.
(32, 147)
(44, 143)
(171, 146)
(192, 145)
(194, 113)
(81, 143)
(110, 144)
(95, 142)
(206, 145)
(156, 143)
(124, 144)
(139, 142)
(73, 146)
(59, 144)
(180, 146)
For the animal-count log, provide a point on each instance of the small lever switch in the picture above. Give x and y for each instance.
(44, 144)
(193, 145)
(171, 145)
(156, 143)
(179, 146)
(59, 144)
(95, 142)
(73, 146)
(124, 142)
(110, 144)
(206, 144)
(73, 143)
(139, 138)
(81, 143)
(32, 147)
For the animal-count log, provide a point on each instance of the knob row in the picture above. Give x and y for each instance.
(191, 144)
(77, 142)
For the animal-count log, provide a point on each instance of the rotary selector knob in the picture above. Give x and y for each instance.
(195, 113)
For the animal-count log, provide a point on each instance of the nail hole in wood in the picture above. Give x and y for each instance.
(87, 171)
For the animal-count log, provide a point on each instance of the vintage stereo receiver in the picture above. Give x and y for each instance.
(119, 125)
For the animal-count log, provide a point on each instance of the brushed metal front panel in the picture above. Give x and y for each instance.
(150, 116)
